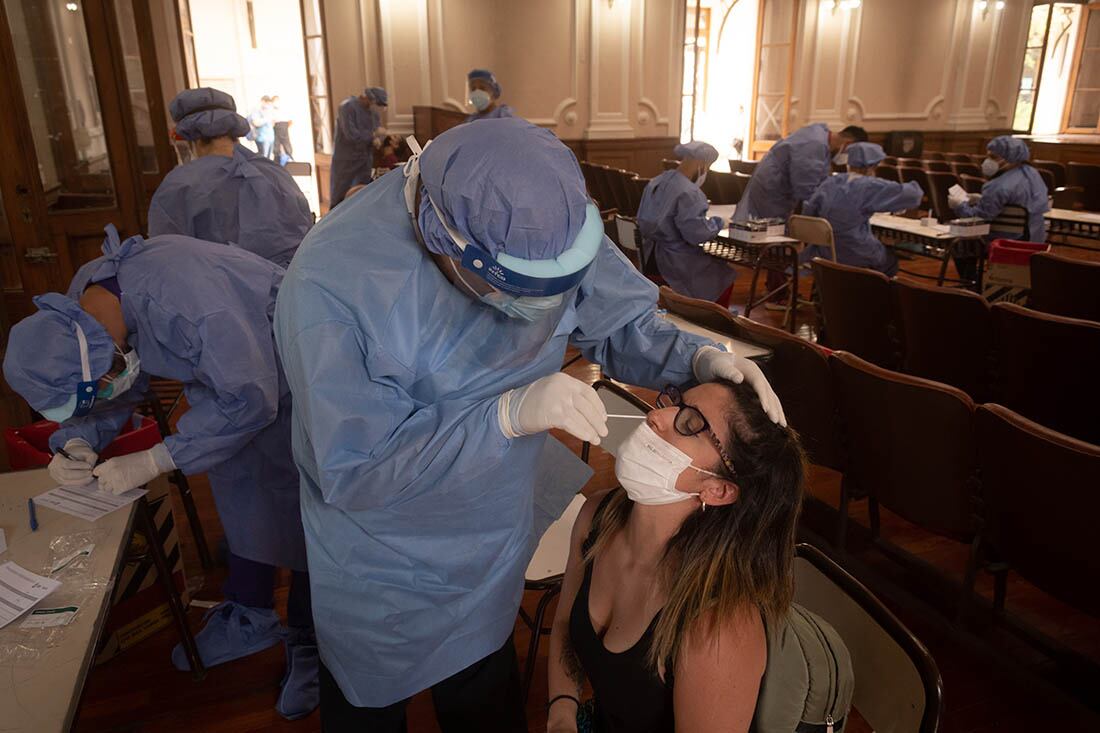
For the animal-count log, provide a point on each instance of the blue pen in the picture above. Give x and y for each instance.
(34, 517)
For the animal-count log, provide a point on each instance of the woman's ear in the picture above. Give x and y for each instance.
(719, 492)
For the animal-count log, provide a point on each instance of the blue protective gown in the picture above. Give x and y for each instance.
(246, 200)
(1021, 186)
(200, 313)
(417, 510)
(673, 215)
(848, 201)
(502, 110)
(788, 175)
(352, 148)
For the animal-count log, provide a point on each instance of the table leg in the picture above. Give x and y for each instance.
(164, 572)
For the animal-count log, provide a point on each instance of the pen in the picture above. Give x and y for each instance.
(64, 453)
(34, 518)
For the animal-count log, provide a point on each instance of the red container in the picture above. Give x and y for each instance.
(29, 445)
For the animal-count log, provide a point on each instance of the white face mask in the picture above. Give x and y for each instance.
(702, 177)
(990, 167)
(841, 158)
(647, 466)
(125, 379)
(480, 99)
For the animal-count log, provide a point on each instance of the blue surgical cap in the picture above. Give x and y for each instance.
(377, 95)
(504, 184)
(487, 76)
(1012, 149)
(696, 150)
(206, 113)
(43, 359)
(865, 155)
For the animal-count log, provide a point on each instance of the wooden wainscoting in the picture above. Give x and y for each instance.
(641, 155)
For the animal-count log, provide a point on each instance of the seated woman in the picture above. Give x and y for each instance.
(673, 217)
(1012, 182)
(848, 200)
(672, 577)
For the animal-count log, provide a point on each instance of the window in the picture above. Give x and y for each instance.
(775, 44)
(1083, 105)
(320, 106)
(1037, 34)
(696, 33)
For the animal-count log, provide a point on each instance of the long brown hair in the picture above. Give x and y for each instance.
(727, 557)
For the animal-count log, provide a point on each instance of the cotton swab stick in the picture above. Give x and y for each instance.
(629, 417)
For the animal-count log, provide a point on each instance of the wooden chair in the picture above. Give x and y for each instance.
(1065, 286)
(957, 157)
(1046, 369)
(888, 172)
(743, 166)
(1039, 503)
(940, 166)
(910, 163)
(799, 373)
(946, 335)
(629, 239)
(972, 184)
(635, 188)
(967, 169)
(620, 190)
(1069, 197)
(933, 155)
(910, 449)
(921, 177)
(902, 689)
(1087, 176)
(938, 185)
(1048, 179)
(890, 160)
(1058, 170)
(703, 312)
(711, 189)
(856, 308)
(668, 164)
(727, 187)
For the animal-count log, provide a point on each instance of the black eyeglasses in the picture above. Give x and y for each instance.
(690, 421)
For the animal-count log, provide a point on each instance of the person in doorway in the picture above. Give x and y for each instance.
(263, 128)
(672, 217)
(422, 326)
(483, 91)
(847, 201)
(283, 150)
(358, 132)
(1012, 183)
(200, 313)
(672, 577)
(227, 194)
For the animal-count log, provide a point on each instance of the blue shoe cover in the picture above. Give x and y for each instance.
(232, 631)
(301, 693)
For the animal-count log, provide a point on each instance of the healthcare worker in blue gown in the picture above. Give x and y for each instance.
(849, 199)
(359, 132)
(201, 313)
(228, 194)
(1012, 182)
(422, 327)
(483, 91)
(673, 219)
(792, 169)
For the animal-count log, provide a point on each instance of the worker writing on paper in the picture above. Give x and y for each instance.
(847, 201)
(672, 217)
(422, 327)
(200, 313)
(228, 193)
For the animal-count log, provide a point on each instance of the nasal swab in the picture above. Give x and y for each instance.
(630, 417)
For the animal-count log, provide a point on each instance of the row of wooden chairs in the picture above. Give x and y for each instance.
(980, 474)
(614, 188)
(1041, 365)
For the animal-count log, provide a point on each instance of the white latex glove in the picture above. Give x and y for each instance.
(710, 363)
(956, 201)
(119, 475)
(555, 401)
(73, 472)
(381, 132)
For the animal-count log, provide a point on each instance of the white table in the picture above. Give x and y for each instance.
(935, 242)
(1080, 224)
(723, 210)
(734, 346)
(43, 696)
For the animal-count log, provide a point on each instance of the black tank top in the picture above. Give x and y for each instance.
(630, 697)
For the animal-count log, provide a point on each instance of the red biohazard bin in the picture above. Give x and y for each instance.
(29, 445)
(1008, 269)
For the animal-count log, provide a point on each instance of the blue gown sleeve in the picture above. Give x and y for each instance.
(100, 427)
(807, 173)
(618, 326)
(236, 390)
(370, 440)
(351, 127)
(812, 206)
(893, 196)
(989, 207)
(691, 218)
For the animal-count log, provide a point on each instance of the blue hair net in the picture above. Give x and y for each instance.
(1012, 149)
(377, 95)
(504, 184)
(696, 150)
(206, 113)
(487, 76)
(865, 155)
(43, 359)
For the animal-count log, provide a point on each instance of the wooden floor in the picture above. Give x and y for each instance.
(993, 682)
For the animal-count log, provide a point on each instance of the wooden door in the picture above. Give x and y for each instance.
(776, 36)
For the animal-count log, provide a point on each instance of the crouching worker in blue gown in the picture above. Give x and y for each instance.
(673, 219)
(849, 199)
(200, 313)
(422, 326)
(228, 194)
(1012, 183)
